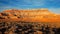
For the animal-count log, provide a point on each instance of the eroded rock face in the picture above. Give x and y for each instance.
(36, 15)
(29, 22)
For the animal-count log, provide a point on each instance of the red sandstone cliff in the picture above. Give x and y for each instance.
(36, 15)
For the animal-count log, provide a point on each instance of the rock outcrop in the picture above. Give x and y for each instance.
(36, 15)
(36, 21)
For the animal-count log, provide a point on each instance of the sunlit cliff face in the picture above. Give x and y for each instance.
(36, 15)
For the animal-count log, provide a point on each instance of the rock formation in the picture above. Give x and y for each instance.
(36, 21)
(36, 15)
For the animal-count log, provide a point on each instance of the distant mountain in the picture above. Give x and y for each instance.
(32, 15)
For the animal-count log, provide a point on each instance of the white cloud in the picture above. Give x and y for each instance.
(55, 10)
(34, 2)
(5, 7)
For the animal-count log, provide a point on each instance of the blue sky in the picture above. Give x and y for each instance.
(52, 5)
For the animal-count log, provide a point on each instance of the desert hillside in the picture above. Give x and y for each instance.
(34, 21)
(33, 15)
